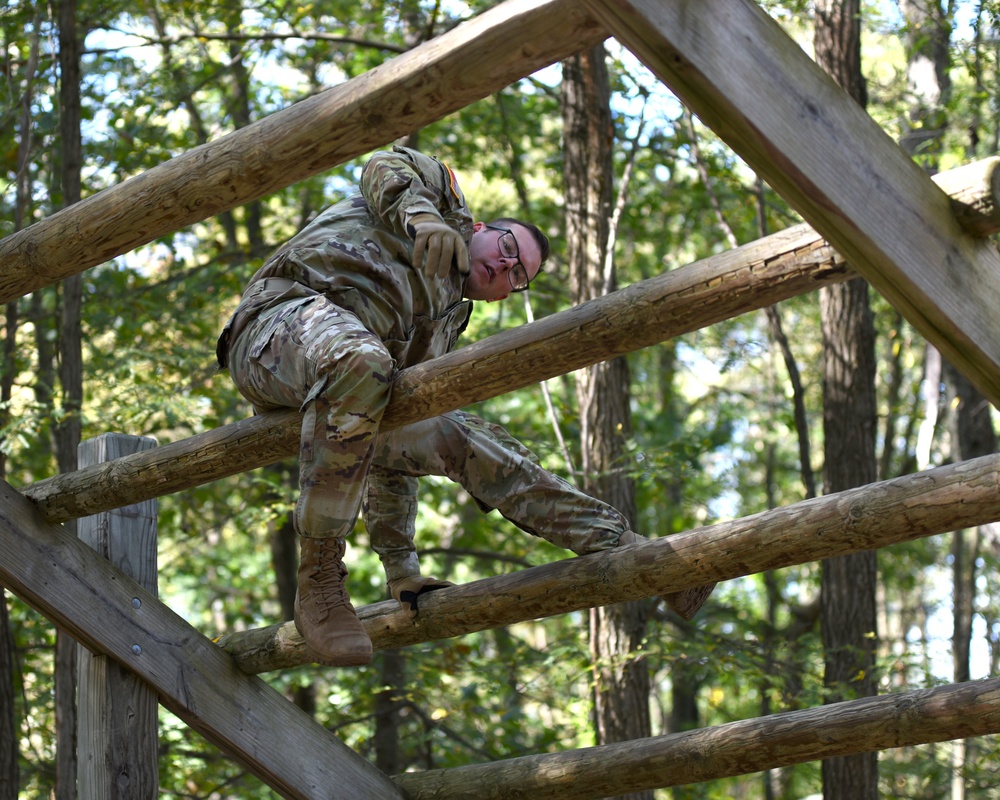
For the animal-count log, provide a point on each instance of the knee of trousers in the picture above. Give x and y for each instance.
(445, 443)
(358, 376)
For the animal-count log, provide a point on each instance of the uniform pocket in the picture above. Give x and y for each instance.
(429, 337)
(275, 322)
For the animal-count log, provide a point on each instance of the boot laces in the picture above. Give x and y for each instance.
(329, 585)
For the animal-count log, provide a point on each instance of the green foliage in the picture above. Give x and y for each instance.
(714, 434)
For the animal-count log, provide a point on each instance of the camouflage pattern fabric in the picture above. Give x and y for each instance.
(310, 354)
(322, 327)
(496, 469)
(358, 254)
(307, 353)
(389, 511)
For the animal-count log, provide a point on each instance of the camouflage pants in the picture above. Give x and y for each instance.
(493, 467)
(307, 353)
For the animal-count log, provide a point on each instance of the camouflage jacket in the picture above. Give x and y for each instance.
(359, 251)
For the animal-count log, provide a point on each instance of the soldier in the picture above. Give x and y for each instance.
(378, 282)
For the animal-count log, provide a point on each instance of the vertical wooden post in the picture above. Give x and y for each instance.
(117, 717)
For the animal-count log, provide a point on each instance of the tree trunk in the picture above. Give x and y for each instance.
(848, 612)
(848, 619)
(9, 739)
(928, 32)
(68, 431)
(389, 703)
(9, 773)
(621, 680)
(242, 117)
(974, 436)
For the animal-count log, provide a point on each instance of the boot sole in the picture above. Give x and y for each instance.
(341, 661)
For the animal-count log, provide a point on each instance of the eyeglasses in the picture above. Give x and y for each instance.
(516, 275)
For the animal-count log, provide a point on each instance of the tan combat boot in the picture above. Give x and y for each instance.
(323, 611)
(685, 603)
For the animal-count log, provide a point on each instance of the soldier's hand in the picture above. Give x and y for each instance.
(436, 245)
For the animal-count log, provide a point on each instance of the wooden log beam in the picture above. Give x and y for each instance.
(736, 748)
(783, 265)
(936, 501)
(734, 67)
(974, 190)
(441, 76)
(111, 614)
(756, 275)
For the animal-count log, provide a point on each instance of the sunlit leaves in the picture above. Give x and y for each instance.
(713, 426)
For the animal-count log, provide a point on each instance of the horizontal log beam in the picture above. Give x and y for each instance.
(102, 608)
(780, 266)
(736, 748)
(734, 67)
(931, 502)
(974, 190)
(441, 76)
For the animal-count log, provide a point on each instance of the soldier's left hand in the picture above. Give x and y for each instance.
(436, 245)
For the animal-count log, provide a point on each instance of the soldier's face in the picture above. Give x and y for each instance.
(488, 267)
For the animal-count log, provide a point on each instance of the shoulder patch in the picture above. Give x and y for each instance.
(453, 182)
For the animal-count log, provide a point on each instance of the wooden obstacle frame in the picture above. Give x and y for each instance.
(922, 244)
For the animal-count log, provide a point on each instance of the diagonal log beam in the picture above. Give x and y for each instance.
(733, 66)
(736, 748)
(441, 76)
(111, 614)
(931, 502)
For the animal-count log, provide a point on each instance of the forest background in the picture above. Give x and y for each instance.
(718, 424)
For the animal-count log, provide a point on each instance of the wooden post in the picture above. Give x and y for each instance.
(117, 710)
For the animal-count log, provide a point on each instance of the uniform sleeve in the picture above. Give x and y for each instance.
(400, 183)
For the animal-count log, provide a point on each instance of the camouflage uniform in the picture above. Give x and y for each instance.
(322, 327)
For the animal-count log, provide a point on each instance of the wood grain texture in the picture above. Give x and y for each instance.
(117, 718)
(974, 190)
(870, 517)
(736, 748)
(216, 453)
(734, 67)
(443, 75)
(745, 279)
(783, 265)
(109, 613)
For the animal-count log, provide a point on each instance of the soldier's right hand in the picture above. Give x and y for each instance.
(436, 245)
